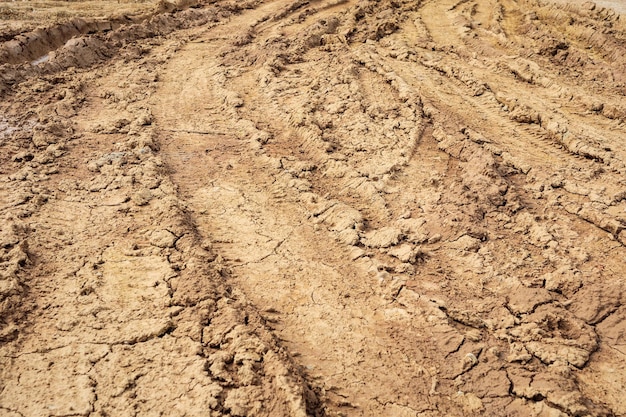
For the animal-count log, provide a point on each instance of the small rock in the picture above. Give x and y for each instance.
(469, 361)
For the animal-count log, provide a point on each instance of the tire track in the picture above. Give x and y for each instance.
(330, 316)
(353, 208)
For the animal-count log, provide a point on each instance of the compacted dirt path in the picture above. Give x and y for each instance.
(341, 208)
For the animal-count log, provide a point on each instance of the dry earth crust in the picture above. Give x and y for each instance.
(313, 208)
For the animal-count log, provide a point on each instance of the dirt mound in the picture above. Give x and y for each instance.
(316, 208)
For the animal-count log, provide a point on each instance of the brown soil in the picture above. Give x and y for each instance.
(313, 208)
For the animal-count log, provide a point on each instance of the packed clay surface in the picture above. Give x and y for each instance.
(312, 208)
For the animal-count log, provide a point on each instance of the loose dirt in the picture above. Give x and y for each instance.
(312, 208)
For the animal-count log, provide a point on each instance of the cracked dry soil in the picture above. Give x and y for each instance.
(313, 208)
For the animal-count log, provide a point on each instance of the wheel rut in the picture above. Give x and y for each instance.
(332, 317)
(315, 208)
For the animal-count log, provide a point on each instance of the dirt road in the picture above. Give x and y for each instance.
(325, 208)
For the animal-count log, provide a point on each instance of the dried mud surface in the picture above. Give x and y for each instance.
(314, 208)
